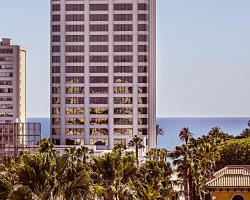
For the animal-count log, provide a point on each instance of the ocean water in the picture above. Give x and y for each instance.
(197, 126)
(172, 127)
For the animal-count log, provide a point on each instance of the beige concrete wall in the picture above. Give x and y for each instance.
(22, 85)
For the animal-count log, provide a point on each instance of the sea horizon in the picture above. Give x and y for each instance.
(172, 126)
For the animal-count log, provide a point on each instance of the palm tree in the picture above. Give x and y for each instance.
(159, 131)
(185, 135)
(136, 142)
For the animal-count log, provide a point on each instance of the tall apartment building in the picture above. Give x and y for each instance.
(12, 82)
(103, 66)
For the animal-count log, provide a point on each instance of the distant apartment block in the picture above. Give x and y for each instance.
(103, 62)
(12, 82)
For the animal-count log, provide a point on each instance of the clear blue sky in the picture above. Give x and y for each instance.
(203, 55)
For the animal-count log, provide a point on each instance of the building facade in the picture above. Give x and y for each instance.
(103, 62)
(12, 82)
(230, 183)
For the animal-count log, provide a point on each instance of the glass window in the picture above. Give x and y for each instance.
(123, 121)
(98, 111)
(99, 90)
(96, 121)
(123, 90)
(74, 121)
(123, 131)
(122, 111)
(74, 100)
(98, 100)
(123, 100)
(98, 131)
(74, 111)
(74, 131)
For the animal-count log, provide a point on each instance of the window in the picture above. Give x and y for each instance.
(56, 59)
(74, 131)
(142, 48)
(142, 58)
(56, 7)
(6, 51)
(142, 131)
(123, 17)
(56, 38)
(56, 48)
(142, 100)
(55, 18)
(142, 111)
(123, 121)
(142, 38)
(123, 6)
(97, 7)
(56, 79)
(74, 7)
(98, 142)
(74, 121)
(142, 17)
(123, 38)
(55, 131)
(98, 100)
(142, 121)
(55, 69)
(56, 28)
(75, 17)
(74, 69)
(123, 69)
(98, 17)
(142, 27)
(74, 111)
(74, 79)
(123, 79)
(98, 69)
(123, 27)
(56, 121)
(98, 38)
(123, 58)
(99, 27)
(74, 59)
(123, 131)
(142, 6)
(98, 59)
(74, 142)
(74, 100)
(123, 90)
(99, 111)
(74, 48)
(142, 79)
(55, 90)
(98, 48)
(98, 79)
(56, 111)
(123, 111)
(74, 28)
(56, 100)
(98, 131)
(142, 69)
(98, 121)
(238, 197)
(142, 90)
(74, 38)
(74, 90)
(99, 90)
(123, 48)
(123, 100)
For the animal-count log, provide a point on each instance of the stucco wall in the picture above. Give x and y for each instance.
(229, 195)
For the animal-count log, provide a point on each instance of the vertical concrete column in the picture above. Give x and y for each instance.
(111, 74)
